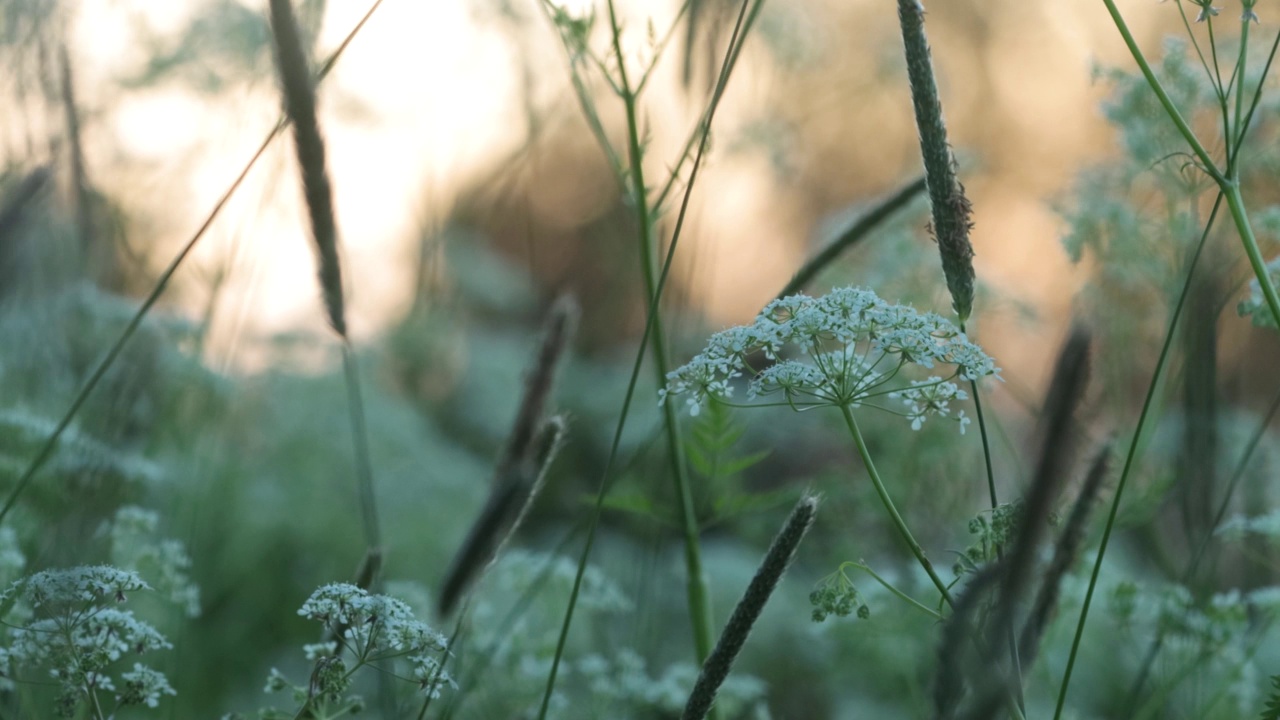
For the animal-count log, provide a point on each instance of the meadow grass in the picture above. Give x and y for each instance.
(994, 650)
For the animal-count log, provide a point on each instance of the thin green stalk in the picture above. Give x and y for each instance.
(364, 464)
(1130, 457)
(893, 589)
(1241, 61)
(1187, 133)
(1235, 202)
(649, 329)
(1228, 183)
(697, 587)
(896, 518)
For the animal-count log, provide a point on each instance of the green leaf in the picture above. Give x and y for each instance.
(733, 505)
(1272, 710)
(633, 503)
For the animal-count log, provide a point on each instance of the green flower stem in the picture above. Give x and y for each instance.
(697, 589)
(1229, 183)
(898, 522)
(891, 588)
(1240, 66)
(1012, 705)
(1187, 133)
(1235, 203)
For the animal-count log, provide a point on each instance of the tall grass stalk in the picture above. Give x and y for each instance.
(162, 283)
(298, 89)
(1130, 458)
(952, 217)
(521, 469)
(698, 589)
(776, 561)
(738, 36)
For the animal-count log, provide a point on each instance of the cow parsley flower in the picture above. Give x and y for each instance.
(374, 628)
(78, 637)
(845, 349)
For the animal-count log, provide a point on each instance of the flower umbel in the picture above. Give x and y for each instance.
(79, 637)
(852, 346)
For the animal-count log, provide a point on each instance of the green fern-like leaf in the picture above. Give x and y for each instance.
(714, 456)
(1272, 710)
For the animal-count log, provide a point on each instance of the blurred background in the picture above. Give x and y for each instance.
(469, 194)
(446, 115)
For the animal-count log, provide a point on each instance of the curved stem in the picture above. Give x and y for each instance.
(1187, 133)
(894, 516)
(891, 588)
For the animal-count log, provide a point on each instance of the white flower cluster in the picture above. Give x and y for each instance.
(79, 585)
(853, 346)
(79, 637)
(376, 627)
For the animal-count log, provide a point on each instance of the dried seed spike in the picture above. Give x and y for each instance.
(521, 468)
(300, 105)
(513, 494)
(558, 331)
(775, 563)
(951, 209)
(1065, 553)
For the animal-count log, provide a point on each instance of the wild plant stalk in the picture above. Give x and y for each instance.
(298, 88)
(521, 469)
(776, 561)
(162, 283)
(894, 516)
(698, 588)
(952, 214)
(1236, 126)
(650, 330)
(1130, 458)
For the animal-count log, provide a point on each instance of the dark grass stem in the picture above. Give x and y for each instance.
(1070, 541)
(776, 561)
(298, 89)
(853, 235)
(162, 283)
(521, 468)
(650, 328)
(1130, 458)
